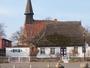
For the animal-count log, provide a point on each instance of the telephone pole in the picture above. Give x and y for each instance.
(84, 45)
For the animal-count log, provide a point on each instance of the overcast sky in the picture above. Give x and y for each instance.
(12, 12)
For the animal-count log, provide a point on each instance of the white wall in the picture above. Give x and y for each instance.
(69, 52)
(80, 53)
(47, 52)
(88, 51)
(13, 52)
(57, 51)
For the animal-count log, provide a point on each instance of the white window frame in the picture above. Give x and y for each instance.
(52, 50)
(42, 51)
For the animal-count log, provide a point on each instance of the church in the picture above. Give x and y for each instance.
(53, 38)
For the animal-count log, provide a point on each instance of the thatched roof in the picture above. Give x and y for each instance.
(68, 29)
(55, 33)
(88, 38)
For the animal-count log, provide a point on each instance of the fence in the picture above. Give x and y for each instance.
(4, 59)
(40, 65)
(19, 59)
(14, 59)
(29, 65)
(34, 59)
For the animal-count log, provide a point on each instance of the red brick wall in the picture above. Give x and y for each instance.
(4, 43)
(33, 30)
(0, 43)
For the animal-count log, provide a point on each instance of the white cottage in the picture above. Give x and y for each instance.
(18, 54)
(17, 51)
(54, 52)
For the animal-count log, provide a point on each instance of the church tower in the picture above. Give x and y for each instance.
(29, 13)
(32, 28)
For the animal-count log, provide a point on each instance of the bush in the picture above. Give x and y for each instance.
(75, 59)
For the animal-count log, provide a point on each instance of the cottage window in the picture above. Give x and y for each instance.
(52, 51)
(75, 50)
(42, 51)
(16, 50)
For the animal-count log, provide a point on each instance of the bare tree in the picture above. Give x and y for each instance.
(20, 38)
(17, 36)
(2, 33)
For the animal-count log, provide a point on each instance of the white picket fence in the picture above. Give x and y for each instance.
(19, 59)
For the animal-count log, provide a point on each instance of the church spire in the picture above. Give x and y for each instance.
(29, 13)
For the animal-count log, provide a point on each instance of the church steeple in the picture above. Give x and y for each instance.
(29, 13)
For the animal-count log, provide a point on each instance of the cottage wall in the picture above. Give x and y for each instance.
(18, 52)
(47, 52)
(69, 52)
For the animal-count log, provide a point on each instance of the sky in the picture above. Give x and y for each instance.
(12, 12)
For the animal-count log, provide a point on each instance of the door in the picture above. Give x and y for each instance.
(63, 51)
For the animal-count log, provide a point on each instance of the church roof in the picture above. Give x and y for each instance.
(43, 28)
(29, 7)
(29, 13)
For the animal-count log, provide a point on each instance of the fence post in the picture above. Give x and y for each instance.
(8, 59)
(14, 66)
(30, 66)
(48, 65)
(29, 59)
(19, 59)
